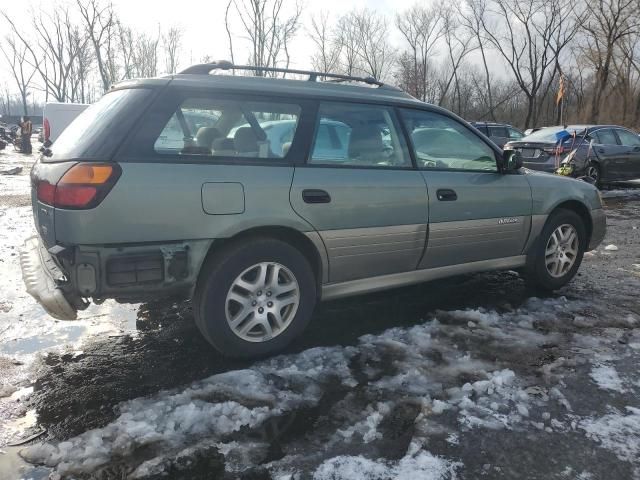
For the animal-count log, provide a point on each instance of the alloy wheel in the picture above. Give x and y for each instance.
(262, 302)
(562, 250)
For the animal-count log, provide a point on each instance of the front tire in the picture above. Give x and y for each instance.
(254, 297)
(557, 253)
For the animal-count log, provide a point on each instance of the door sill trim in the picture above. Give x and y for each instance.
(373, 284)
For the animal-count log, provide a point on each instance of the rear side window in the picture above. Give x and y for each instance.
(229, 128)
(358, 135)
(439, 142)
(99, 129)
(627, 138)
(496, 131)
(606, 136)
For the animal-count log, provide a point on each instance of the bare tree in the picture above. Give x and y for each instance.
(54, 52)
(15, 53)
(171, 45)
(421, 27)
(471, 19)
(530, 37)
(606, 24)
(376, 52)
(458, 44)
(145, 55)
(349, 43)
(327, 55)
(80, 74)
(126, 47)
(100, 23)
(267, 28)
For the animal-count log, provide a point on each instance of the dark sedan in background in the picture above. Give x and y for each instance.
(604, 153)
(499, 133)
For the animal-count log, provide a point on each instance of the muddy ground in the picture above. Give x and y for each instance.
(471, 377)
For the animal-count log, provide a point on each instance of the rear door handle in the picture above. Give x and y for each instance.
(446, 195)
(315, 196)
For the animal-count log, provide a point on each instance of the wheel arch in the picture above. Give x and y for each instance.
(309, 244)
(581, 210)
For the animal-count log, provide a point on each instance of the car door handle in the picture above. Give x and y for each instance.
(636, 149)
(446, 195)
(315, 196)
(601, 150)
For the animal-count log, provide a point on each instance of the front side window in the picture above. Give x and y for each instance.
(229, 128)
(358, 135)
(440, 142)
(627, 138)
(606, 136)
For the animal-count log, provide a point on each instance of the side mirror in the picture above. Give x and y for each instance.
(511, 160)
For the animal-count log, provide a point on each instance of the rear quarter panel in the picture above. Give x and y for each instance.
(155, 202)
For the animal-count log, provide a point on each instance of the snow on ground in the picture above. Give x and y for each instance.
(607, 378)
(26, 329)
(618, 432)
(417, 464)
(425, 366)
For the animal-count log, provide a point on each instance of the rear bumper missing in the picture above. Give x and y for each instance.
(43, 277)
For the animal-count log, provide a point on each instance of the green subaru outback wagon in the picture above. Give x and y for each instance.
(258, 197)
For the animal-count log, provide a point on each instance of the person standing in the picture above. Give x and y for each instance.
(26, 129)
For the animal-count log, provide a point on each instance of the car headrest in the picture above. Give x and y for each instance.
(206, 136)
(365, 143)
(223, 146)
(245, 140)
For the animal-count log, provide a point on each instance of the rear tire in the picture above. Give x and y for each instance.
(557, 253)
(254, 297)
(594, 172)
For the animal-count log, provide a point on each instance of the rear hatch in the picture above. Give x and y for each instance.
(77, 172)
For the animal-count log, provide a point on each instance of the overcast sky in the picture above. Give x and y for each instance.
(202, 22)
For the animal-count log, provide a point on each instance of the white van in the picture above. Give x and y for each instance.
(56, 116)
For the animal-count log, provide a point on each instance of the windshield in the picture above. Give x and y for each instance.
(97, 131)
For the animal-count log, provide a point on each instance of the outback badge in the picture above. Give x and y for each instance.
(506, 221)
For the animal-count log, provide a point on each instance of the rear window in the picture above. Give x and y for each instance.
(544, 134)
(548, 134)
(229, 128)
(498, 131)
(99, 129)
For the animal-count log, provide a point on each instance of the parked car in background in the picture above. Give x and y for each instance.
(499, 133)
(57, 116)
(322, 191)
(604, 153)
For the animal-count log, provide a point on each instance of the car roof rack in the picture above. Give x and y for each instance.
(205, 68)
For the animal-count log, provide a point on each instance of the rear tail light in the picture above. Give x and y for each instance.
(47, 129)
(83, 186)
